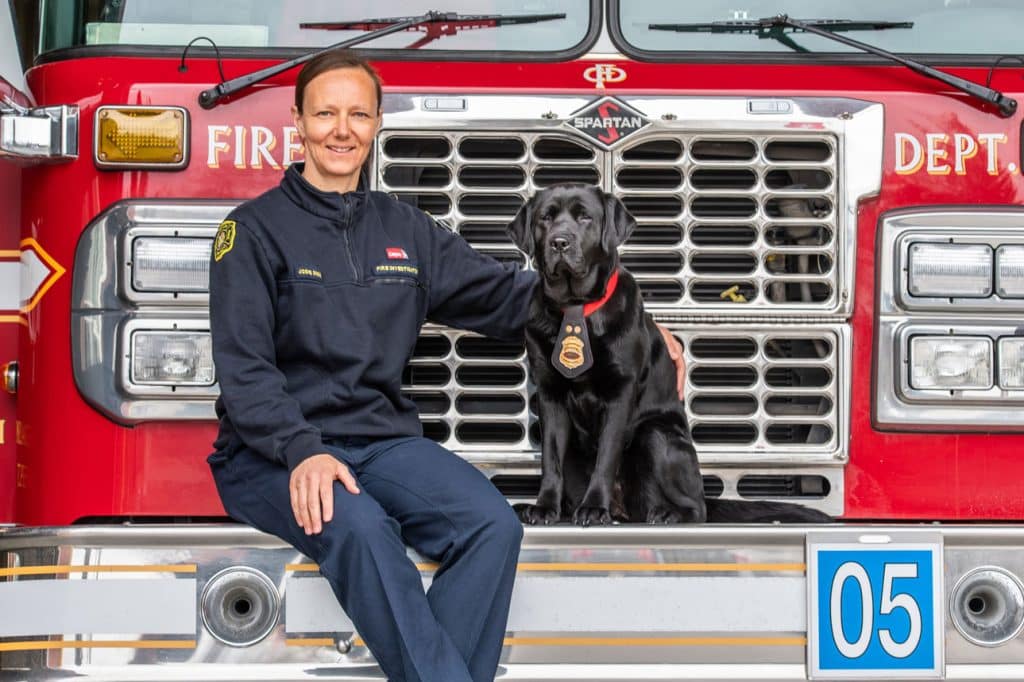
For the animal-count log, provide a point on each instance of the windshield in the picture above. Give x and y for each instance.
(939, 26)
(276, 23)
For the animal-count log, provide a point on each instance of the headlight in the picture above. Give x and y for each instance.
(1010, 271)
(950, 362)
(170, 264)
(1011, 363)
(950, 270)
(168, 358)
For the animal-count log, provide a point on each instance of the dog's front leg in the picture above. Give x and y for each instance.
(596, 505)
(555, 427)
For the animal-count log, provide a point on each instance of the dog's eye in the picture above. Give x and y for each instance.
(584, 216)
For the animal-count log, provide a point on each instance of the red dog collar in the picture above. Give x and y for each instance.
(609, 289)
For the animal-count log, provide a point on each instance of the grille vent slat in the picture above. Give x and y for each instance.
(654, 150)
(723, 150)
(746, 389)
(771, 195)
(545, 176)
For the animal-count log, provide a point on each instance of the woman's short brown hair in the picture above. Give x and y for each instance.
(329, 61)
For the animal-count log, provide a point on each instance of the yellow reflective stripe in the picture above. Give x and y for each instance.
(309, 641)
(655, 641)
(617, 567)
(315, 568)
(667, 567)
(100, 644)
(606, 641)
(53, 570)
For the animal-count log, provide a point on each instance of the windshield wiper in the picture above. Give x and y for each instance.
(773, 27)
(447, 23)
(764, 28)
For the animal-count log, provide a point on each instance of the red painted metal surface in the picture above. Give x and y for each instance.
(10, 213)
(78, 464)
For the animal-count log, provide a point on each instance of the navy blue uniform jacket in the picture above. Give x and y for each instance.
(316, 301)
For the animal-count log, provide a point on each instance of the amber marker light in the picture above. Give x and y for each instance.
(141, 137)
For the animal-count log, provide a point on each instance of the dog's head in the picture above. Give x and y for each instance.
(572, 232)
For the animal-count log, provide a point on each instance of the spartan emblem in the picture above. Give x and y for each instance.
(225, 239)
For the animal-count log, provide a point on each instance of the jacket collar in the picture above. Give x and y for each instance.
(318, 202)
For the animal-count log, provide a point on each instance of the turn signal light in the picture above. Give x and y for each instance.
(141, 137)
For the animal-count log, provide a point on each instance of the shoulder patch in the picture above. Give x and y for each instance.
(225, 239)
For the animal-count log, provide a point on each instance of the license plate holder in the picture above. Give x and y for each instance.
(899, 635)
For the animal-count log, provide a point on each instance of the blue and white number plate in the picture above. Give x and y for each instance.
(874, 604)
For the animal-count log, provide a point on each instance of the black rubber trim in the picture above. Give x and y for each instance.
(283, 53)
(817, 58)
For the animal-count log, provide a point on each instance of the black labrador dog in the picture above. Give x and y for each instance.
(616, 444)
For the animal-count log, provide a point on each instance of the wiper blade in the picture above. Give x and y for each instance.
(779, 32)
(443, 24)
(829, 29)
(447, 23)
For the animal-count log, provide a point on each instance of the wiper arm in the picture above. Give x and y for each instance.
(448, 23)
(826, 28)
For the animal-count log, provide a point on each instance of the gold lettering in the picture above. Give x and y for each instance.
(20, 433)
(3, 431)
(263, 142)
(215, 145)
(292, 144)
(21, 476)
(240, 146)
(910, 162)
(992, 142)
(964, 148)
(936, 143)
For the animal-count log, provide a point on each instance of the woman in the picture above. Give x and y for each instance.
(318, 289)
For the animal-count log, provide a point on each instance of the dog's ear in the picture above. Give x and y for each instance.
(520, 230)
(618, 223)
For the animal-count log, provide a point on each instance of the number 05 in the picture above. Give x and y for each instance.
(889, 604)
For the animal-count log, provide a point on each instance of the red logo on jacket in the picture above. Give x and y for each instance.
(397, 253)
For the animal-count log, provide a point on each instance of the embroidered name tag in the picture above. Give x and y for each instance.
(385, 269)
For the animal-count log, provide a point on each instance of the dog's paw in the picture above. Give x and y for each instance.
(534, 514)
(592, 516)
(664, 515)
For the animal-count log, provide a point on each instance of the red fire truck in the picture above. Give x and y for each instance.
(828, 203)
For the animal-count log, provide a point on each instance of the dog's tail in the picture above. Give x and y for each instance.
(749, 511)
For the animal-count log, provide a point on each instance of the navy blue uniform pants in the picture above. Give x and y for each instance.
(412, 492)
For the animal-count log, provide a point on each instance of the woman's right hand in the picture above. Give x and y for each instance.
(312, 490)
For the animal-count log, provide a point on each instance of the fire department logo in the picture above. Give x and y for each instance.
(225, 239)
(599, 74)
(608, 121)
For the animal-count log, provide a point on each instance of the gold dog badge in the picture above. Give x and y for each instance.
(571, 355)
(225, 239)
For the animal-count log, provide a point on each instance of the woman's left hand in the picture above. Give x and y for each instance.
(675, 351)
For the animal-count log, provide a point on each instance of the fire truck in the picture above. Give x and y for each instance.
(828, 205)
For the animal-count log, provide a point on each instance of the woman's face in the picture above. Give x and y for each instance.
(338, 122)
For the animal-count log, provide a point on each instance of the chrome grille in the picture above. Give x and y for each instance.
(726, 222)
(737, 230)
(755, 393)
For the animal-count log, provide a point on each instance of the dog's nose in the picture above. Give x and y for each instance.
(559, 244)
